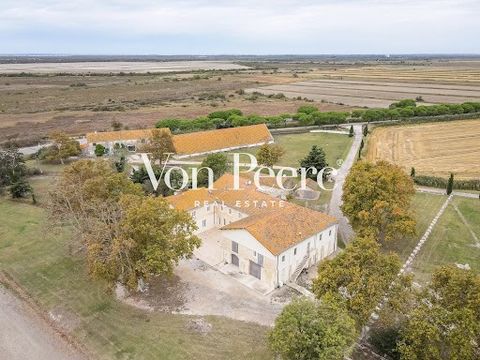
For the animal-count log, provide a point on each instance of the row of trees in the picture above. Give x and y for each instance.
(439, 322)
(411, 111)
(308, 115)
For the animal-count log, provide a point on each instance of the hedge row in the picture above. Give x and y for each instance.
(438, 182)
(222, 119)
(396, 113)
(309, 115)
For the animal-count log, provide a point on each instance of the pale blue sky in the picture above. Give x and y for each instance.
(239, 27)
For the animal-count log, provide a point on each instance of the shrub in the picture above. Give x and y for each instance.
(307, 109)
(403, 103)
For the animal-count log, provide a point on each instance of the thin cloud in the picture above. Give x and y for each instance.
(282, 26)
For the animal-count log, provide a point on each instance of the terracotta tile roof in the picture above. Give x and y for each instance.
(205, 141)
(189, 199)
(105, 136)
(277, 228)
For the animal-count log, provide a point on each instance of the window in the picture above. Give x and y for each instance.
(239, 215)
(235, 247)
(229, 211)
(319, 237)
(295, 251)
(204, 223)
(194, 213)
(260, 260)
(254, 254)
(224, 222)
(208, 208)
(221, 207)
(283, 258)
(330, 233)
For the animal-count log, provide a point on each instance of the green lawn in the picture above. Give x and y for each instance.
(297, 146)
(451, 241)
(41, 262)
(425, 207)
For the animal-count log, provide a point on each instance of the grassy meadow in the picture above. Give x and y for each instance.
(48, 266)
(451, 240)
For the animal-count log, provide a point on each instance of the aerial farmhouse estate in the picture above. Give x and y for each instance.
(186, 145)
(256, 233)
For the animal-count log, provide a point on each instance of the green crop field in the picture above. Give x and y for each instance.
(49, 268)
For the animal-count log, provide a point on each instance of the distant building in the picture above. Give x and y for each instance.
(186, 145)
(272, 243)
(129, 139)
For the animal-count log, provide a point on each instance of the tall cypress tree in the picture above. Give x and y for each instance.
(450, 185)
(352, 132)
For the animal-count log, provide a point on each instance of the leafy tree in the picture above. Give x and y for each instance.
(316, 158)
(412, 172)
(307, 330)
(140, 176)
(159, 144)
(376, 200)
(125, 236)
(224, 114)
(63, 147)
(84, 189)
(450, 185)
(12, 167)
(99, 150)
(403, 104)
(445, 324)
(217, 162)
(359, 277)
(307, 109)
(147, 239)
(351, 133)
(269, 154)
(20, 189)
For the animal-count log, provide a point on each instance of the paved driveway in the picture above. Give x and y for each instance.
(345, 230)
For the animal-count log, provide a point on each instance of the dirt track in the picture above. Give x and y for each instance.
(23, 335)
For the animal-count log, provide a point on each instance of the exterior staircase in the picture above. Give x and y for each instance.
(299, 268)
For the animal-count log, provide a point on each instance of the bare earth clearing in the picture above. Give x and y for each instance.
(433, 149)
(118, 66)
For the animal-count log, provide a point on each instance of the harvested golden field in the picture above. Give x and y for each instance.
(379, 86)
(432, 149)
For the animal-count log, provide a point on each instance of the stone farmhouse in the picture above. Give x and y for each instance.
(255, 233)
(186, 145)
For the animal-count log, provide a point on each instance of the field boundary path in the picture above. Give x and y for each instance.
(406, 265)
(467, 225)
(437, 191)
(344, 228)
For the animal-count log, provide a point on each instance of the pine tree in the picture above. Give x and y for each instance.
(316, 158)
(450, 185)
(412, 172)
